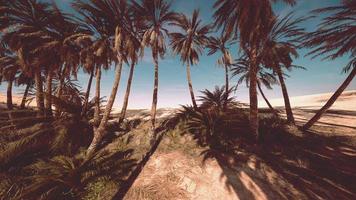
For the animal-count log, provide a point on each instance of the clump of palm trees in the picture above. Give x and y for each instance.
(41, 42)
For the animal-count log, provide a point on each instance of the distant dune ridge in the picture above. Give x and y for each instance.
(347, 101)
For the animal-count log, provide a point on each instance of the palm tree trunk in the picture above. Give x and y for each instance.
(23, 101)
(97, 97)
(155, 91)
(86, 99)
(60, 89)
(190, 85)
(266, 100)
(48, 102)
(226, 85)
(127, 94)
(290, 117)
(331, 101)
(9, 95)
(253, 95)
(39, 92)
(99, 133)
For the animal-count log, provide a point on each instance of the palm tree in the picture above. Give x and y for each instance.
(222, 44)
(154, 15)
(115, 16)
(99, 52)
(279, 48)
(132, 55)
(334, 38)
(189, 43)
(9, 68)
(241, 68)
(25, 32)
(247, 19)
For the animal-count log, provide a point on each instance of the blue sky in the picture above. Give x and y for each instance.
(320, 76)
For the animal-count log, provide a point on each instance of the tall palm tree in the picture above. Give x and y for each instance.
(279, 48)
(115, 16)
(9, 68)
(25, 32)
(134, 41)
(222, 44)
(248, 20)
(189, 43)
(99, 53)
(335, 38)
(241, 68)
(155, 15)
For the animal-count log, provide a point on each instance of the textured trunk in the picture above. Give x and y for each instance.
(331, 101)
(23, 102)
(60, 89)
(86, 99)
(253, 95)
(266, 100)
(39, 92)
(9, 95)
(226, 85)
(154, 96)
(99, 133)
(190, 85)
(97, 97)
(48, 102)
(290, 117)
(127, 94)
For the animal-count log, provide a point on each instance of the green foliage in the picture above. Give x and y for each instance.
(63, 177)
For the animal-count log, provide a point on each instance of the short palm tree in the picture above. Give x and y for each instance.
(247, 19)
(222, 44)
(334, 38)
(241, 68)
(189, 43)
(154, 15)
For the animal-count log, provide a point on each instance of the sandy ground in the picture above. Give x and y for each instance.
(347, 101)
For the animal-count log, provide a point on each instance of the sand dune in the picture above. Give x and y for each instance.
(347, 101)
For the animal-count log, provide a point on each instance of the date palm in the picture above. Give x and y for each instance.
(189, 43)
(335, 38)
(24, 32)
(279, 49)
(241, 69)
(155, 15)
(247, 19)
(222, 44)
(9, 68)
(114, 16)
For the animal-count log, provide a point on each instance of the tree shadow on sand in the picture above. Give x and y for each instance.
(282, 165)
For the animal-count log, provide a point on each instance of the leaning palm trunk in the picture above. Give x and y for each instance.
(253, 96)
(48, 102)
(86, 98)
(266, 100)
(154, 96)
(290, 117)
(190, 85)
(127, 94)
(59, 91)
(9, 95)
(226, 85)
(24, 98)
(97, 97)
(99, 132)
(331, 101)
(39, 92)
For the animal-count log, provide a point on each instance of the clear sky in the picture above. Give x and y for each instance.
(320, 76)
